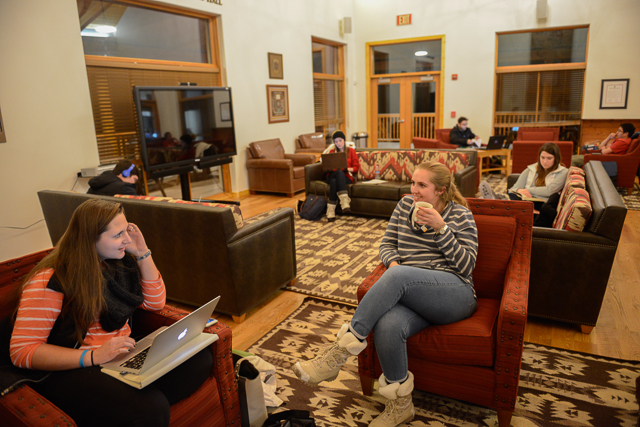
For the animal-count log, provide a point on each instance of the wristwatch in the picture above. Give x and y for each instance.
(442, 230)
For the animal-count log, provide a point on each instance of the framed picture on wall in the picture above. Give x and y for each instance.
(278, 103)
(275, 66)
(225, 111)
(613, 94)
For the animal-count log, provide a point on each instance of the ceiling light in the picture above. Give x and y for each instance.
(421, 53)
(105, 29)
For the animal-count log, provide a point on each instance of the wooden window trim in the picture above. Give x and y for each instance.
(340, 78)
(149, 64)
(542, 67)
(539, 30)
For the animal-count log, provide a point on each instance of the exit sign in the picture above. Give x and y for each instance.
(403, 19)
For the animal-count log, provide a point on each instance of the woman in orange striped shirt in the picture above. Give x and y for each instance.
(75, 311)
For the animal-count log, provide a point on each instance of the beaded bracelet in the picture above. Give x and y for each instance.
(140, 258)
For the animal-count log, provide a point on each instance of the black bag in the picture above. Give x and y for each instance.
(291, 418)
(313, 207)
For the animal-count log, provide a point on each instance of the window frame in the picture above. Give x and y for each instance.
(339, 77)
(502, 128)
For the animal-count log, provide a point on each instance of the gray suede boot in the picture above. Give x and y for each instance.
(326, 366)
(331, 211)
(399, 408)
(344, 201)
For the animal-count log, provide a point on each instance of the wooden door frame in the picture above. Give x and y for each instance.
(371, 117)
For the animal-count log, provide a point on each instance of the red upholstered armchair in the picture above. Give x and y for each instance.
(478, 359)
(538, 134)
(442, 135)
(215, 403)
(627, 164)
(524, 153)
(425, 143)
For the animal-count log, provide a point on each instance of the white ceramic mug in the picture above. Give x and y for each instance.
(415, 210)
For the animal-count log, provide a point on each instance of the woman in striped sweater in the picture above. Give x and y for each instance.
(428, 282)
(75, 311)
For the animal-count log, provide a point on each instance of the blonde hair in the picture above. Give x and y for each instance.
(443, 180)
(77, 265)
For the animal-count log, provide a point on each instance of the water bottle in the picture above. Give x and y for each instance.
(377, 171)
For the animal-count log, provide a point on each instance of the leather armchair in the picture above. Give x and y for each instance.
(215, 403)
(271, 170)
(627, 164)
(477, 359)
(580, 261)
(524, 153)
(442, 135)
(312, 143)
(199, 250)
(425, 143)
(538, 134)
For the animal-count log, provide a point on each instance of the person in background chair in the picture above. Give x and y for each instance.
(616, 143)
(338, 179)
(461, 134)
(121, 180)
(430, 259)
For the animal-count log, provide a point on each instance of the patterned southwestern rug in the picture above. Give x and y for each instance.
(557, 387)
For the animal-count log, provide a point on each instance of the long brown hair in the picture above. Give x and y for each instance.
(554, 150)
(443, 179)
(77, 264)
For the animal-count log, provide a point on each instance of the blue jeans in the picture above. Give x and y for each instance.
(404, 301)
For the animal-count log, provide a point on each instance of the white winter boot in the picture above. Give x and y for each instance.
(344, 201)
(399, 408)
(331, 211)
(326, 366)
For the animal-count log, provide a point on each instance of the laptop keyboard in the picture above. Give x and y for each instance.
(136, 361)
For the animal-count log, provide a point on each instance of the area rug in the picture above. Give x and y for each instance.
(335, 257)
(557, 387)
(632, 202)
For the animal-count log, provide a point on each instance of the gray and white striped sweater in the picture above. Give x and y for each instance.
(454, 251)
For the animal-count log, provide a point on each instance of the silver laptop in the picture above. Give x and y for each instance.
(160, 346)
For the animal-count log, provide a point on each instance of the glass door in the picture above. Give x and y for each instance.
(403, 108)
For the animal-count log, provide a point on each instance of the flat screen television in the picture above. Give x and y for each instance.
(183, 126)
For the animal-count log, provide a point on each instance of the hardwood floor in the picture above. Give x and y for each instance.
(616, 335)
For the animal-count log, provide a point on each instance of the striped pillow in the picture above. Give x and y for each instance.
(575, 212)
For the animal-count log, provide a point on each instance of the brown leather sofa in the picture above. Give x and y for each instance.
(381, 199)
(271, 170)
(311, 143)
(199, 250)
(569, 269)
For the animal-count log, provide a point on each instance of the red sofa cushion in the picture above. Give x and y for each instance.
(495, 243)
(468, 342)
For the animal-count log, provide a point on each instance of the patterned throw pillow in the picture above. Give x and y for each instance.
(575, 179)
(235, 209)
(576, 211)
(398, 165)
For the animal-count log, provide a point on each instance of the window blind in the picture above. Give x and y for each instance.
(114, 111)
(327, 97)
(539, 96)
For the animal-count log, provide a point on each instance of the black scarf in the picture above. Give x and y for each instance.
(122, 294)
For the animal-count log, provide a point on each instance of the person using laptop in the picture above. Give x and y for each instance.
(461, 134)
(338, 179)
(429, 258)
(542, 180)
(74, 312)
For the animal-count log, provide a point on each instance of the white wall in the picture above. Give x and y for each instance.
(469, 28)
(47, 115)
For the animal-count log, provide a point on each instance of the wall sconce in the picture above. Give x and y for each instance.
(345, 26)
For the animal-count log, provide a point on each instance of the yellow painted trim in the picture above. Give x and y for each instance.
(442, 79)
(542, 67)
(410, 40)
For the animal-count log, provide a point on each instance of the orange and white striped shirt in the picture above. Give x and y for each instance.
(40, 307)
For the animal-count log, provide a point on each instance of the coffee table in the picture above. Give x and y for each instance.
(506, 166)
